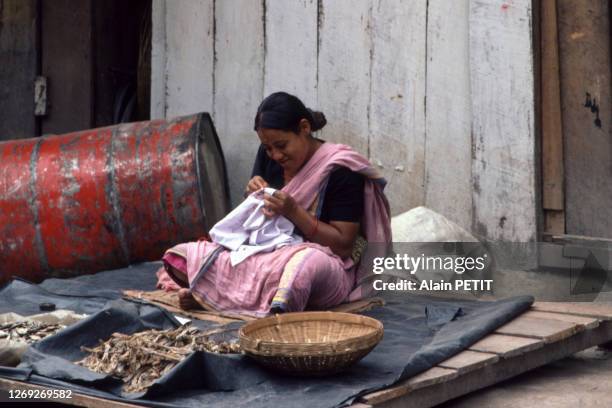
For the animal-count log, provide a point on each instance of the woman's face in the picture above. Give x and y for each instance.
(290, 150)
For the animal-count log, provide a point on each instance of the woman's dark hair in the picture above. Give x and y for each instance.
(284, 111)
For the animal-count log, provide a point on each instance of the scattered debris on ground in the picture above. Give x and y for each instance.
(140, 359)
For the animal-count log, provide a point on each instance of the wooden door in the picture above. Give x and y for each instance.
(577, 117)
(67, 62)
(18, 68)
(584, 45)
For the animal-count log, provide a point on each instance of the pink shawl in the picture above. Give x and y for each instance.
(376, 225)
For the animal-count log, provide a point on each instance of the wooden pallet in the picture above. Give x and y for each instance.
(546, 333)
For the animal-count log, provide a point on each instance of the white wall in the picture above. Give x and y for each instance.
(439, 94)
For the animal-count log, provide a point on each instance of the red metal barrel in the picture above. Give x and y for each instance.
(104, 198)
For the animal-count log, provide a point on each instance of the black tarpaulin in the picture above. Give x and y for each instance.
(419, 333)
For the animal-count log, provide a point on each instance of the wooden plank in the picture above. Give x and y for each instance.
(397, 95)
(554, 222)
(469, 360)
(189, 40)
(291, 49)
(553, 196)
(581, 239)
(158, 59)
(77, 399)
(344, 70)
(239, 45)
(547, 330)
(600, 311)
(18, 53)
(448, 165)
(504, 369)
(504, 141)
(69, 69)
(434, 375)
(506, 346)
(584, 46)
(552, 131)
(587, 322)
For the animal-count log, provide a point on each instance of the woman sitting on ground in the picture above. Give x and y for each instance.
(332, 196)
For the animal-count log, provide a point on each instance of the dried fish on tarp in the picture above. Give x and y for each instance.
(17, 332)
(28, 331)
(140, 359)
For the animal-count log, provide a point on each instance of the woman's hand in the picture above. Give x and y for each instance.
(256, 183)
(279, 204)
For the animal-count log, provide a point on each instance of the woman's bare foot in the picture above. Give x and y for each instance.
(186, 300)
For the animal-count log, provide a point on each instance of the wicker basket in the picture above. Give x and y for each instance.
(310, 343)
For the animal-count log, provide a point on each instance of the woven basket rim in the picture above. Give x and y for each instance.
(342, 346)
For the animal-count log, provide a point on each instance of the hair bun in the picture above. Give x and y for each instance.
(318, 120)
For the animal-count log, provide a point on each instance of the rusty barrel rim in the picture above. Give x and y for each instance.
(205, 133)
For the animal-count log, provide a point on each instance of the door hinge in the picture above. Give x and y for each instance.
(40, 96)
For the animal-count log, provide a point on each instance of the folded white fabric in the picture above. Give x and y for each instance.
(246, 230)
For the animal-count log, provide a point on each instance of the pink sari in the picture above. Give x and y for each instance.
(294, 277)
